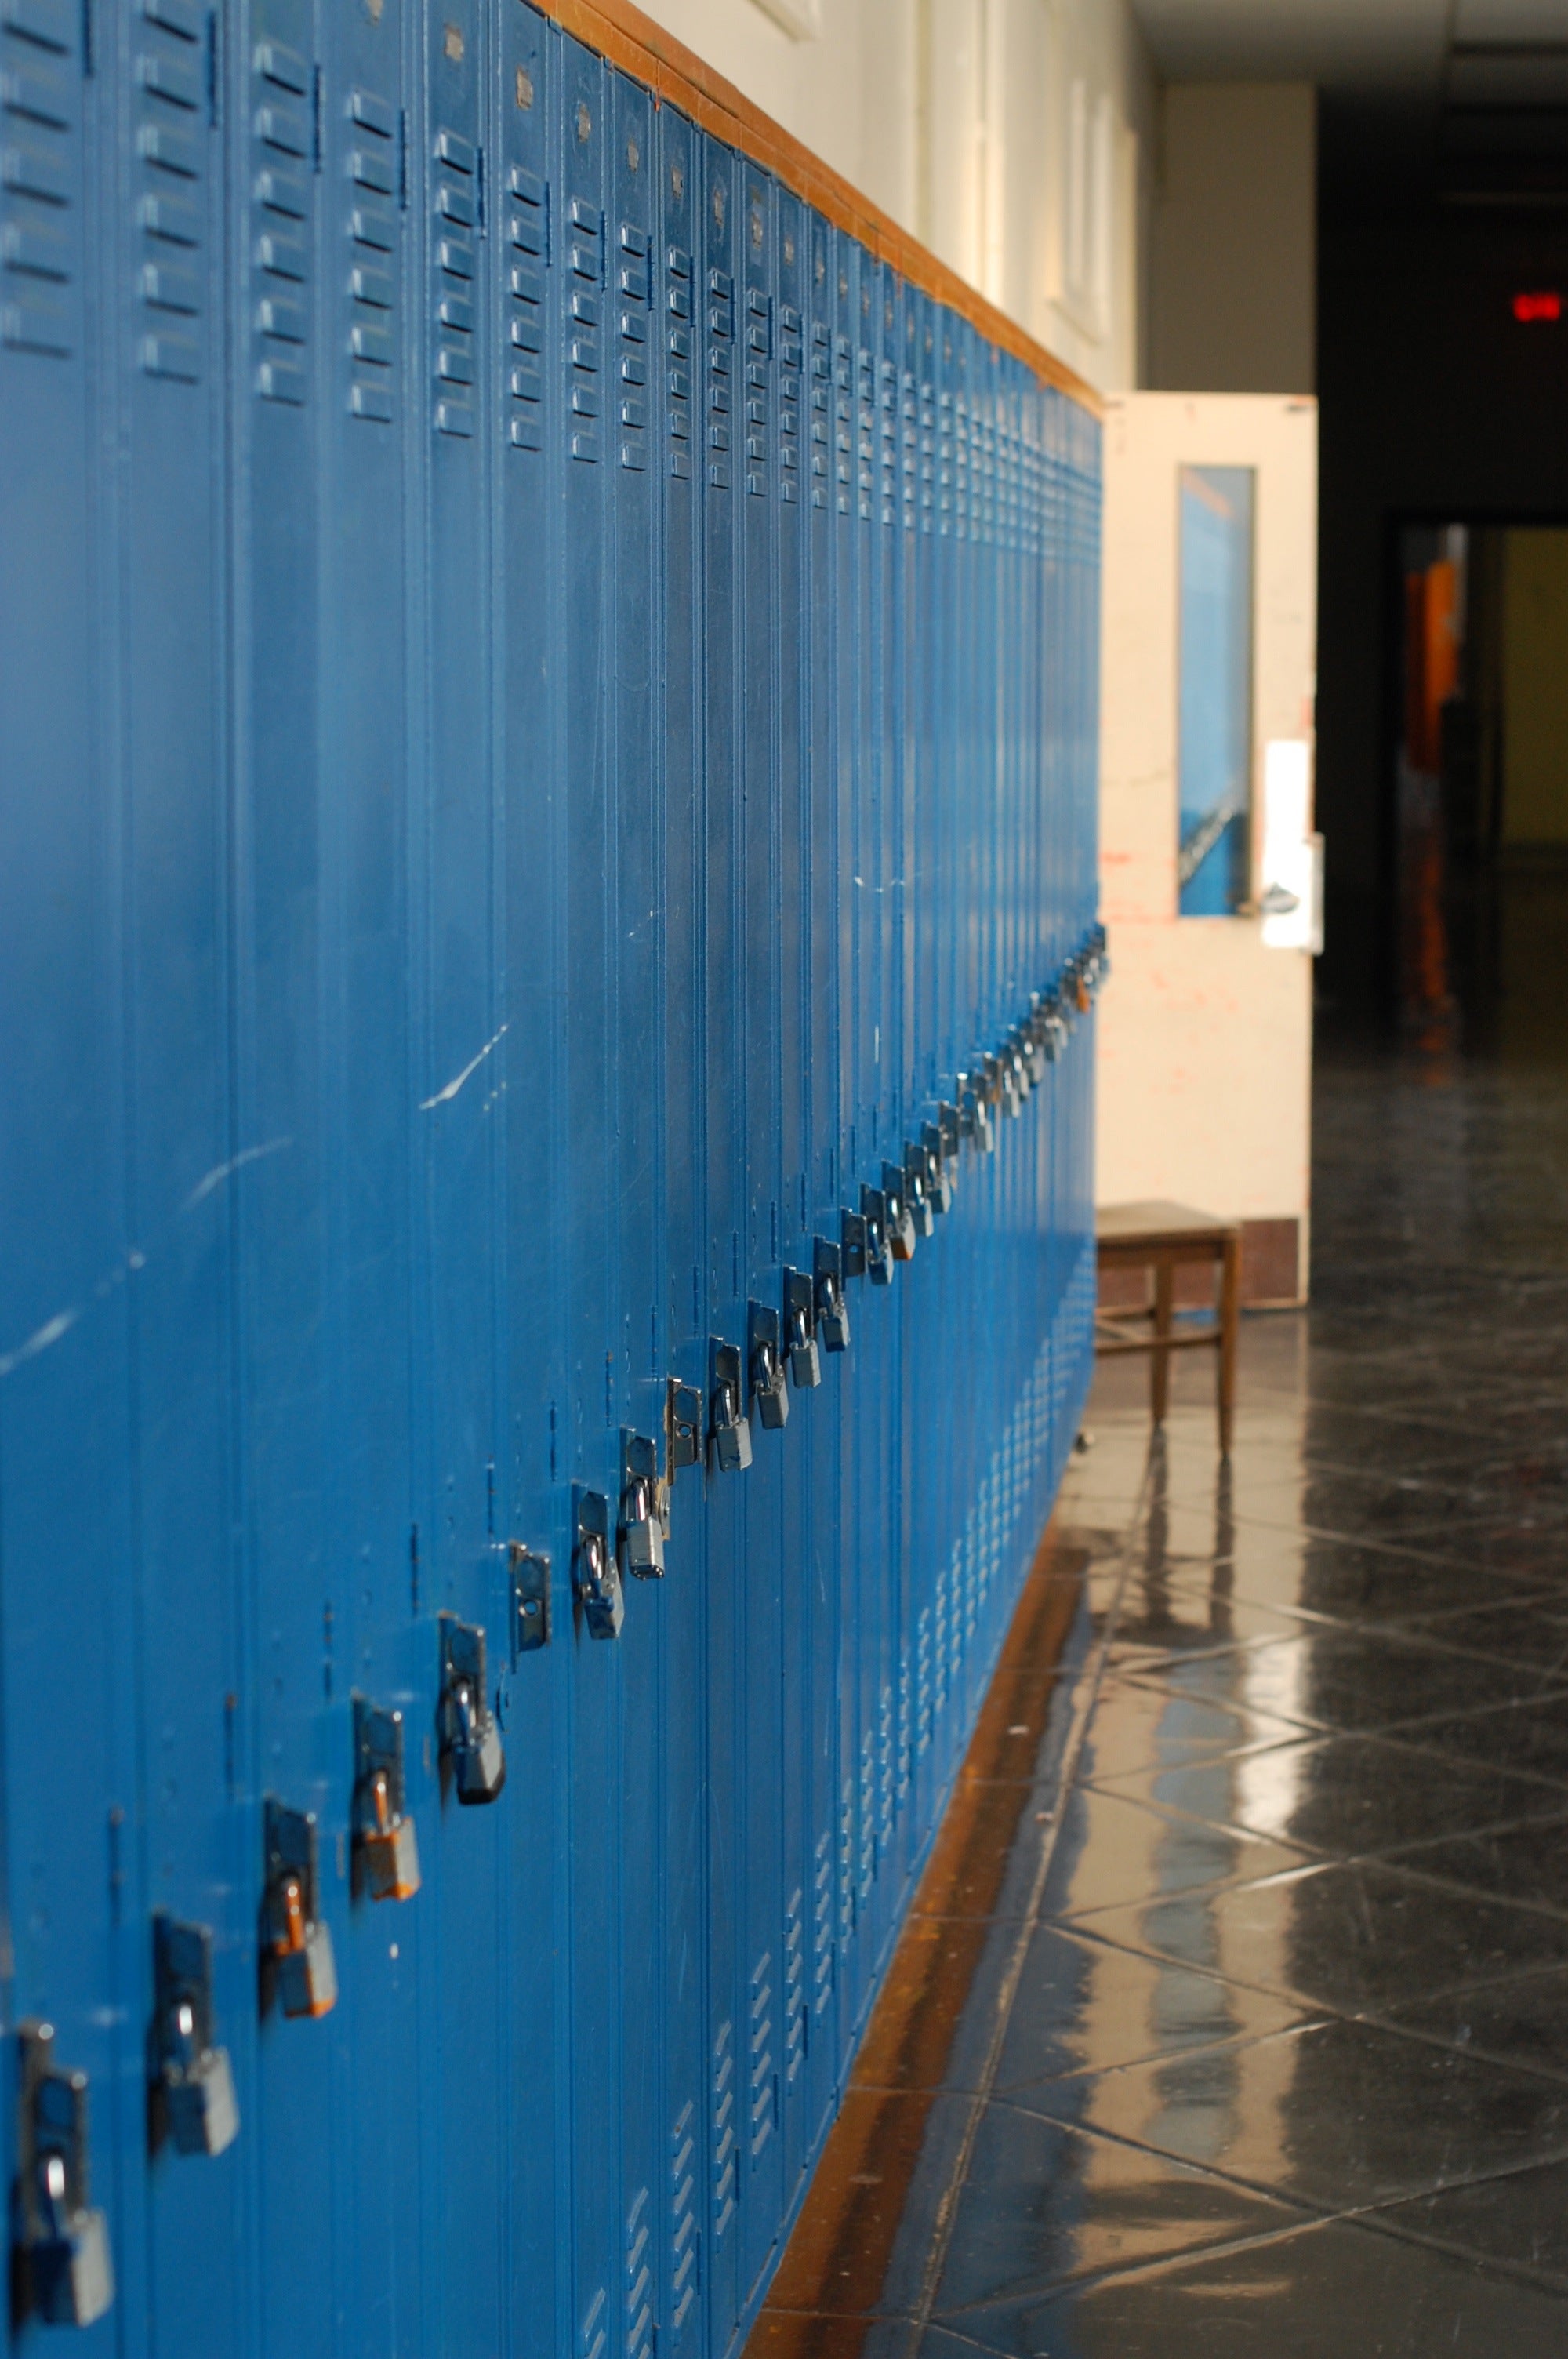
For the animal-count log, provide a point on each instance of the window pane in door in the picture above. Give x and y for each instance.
(1213, 857)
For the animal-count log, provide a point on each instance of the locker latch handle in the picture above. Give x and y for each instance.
(766, 1366)
(916, 1192)
(595, 1575)
(832, 1310)
(642, 1531)
(729, 1428)
(683, 1435)
(900, 1230)
(878, 1253)
(190, 2096)
(800, 1329)
(297, 1945)
(386, 1849)
(471, 1750)
(974, 1114)
(530, 1599)
(63, 2271)
(939, 1172)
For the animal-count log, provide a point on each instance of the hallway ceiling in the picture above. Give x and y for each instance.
(1486, 80)
(1356, 46)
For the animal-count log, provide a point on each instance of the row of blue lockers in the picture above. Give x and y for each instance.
(547, 946)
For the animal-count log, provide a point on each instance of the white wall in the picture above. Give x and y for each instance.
(1204, 1060)
(1012, 136)
(1234, 264)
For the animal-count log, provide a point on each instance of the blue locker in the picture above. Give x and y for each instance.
(725, 1091)
(684, 2227)
(293, 1746)
(456, 1035)
(632, 487)
(551, 776)
(162, 313)
(530, 1545)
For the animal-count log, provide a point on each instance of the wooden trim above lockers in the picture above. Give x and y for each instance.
(619, 32)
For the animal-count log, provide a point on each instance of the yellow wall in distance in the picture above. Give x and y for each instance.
(1535, 686)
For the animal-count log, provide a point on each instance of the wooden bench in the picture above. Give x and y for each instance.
(1162, 1238)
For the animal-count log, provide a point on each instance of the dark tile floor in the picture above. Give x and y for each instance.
(1265, 2042)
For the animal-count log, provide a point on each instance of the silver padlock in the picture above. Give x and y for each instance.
(730, 1431)
(297, 1945)
(922, 1212)
(767, 1370)
(1007, 1084)
(832, 1310)
(63, 2270)
(641, 1518)
(878, 1253)
(192, 2090)
(800, 1330)
(974, 1112)
(1068, 995)
(938, 1174)
(1034, 1039)
(469, 1737)
(386, 1848)
(595, 1575)
(901, 1229)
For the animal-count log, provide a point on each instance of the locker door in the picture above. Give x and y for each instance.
(456, 1048)
(675, 374)
(169, 531)
(66, 1272)
(727, 1083)
(366, 340)
(768, 1941)
(804, 395)
(631, 448)
(774, 384)
(534, 1955)
(585, 347)
(294, 1736)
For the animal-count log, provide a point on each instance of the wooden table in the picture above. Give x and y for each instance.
(1161, 1237)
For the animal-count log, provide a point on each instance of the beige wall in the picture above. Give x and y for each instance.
(1233, 306)
(1011, 136)
(1535, 686)
(1205, 1034)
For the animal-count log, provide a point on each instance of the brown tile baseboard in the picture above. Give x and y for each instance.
(1270, 1261)
(825, 2296)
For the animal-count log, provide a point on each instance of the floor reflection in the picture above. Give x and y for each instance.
(1263, 2043)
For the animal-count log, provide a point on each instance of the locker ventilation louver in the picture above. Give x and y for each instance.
(764, 2091)
(640, 2287)
(796, 2010)
(726, 2145)
(686, 2234)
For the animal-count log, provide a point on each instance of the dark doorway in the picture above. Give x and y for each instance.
(1479, 785)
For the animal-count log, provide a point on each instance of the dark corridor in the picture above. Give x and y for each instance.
(1262, 1898)
(1479, 781)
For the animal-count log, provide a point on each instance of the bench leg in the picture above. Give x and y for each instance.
(1230, 1317)
(1160, 1371)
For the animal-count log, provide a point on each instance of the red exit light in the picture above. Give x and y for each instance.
(1543, 305)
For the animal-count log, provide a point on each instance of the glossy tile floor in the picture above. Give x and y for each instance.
(1244, 2028)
